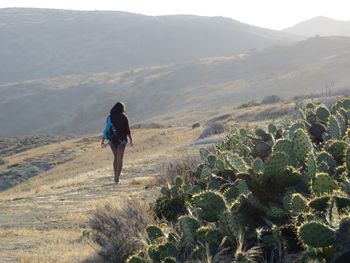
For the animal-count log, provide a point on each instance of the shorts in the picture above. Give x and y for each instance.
(121, 142)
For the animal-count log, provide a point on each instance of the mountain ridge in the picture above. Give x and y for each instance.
(168, 93)
(320, 25)
(39, 43)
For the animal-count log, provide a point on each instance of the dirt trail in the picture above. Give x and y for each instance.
(43, 219)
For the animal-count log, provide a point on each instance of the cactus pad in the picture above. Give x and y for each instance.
(135, 259)
(334, 128)
(323, 183)
(154, 232)
(337, 149)
(210, 205)
(275, 164)
(188, 226)
(301, 145)
(328, 159)
(343, 235)
(319, 203)
(323, 113)
(258, 165)
(231, 194)
(298, 204)
(316, 235)
(296, 126)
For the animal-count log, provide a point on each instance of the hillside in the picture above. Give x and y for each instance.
(175, 93)
(45, 219)
(322, 26)
(52, 206)
(39, 43)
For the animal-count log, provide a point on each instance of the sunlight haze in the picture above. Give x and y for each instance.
(274, 14)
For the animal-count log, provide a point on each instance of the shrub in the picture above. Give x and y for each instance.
(118, 230)
(196, 125)
(271, 99)
(183, 168)
(212, 129)
(248, 104)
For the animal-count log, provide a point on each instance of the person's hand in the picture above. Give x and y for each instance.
(131, 143)
(103, 144)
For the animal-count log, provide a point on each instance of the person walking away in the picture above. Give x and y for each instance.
(116, 134)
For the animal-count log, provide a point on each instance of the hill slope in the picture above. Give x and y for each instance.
(322, 26)
(36, 43)
(174, 93)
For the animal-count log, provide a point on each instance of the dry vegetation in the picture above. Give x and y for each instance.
(46, 219)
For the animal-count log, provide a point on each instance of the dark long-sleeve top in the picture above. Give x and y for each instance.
(120, 124)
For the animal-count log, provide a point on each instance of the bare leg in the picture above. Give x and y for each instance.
(115, 163)
(120, 155)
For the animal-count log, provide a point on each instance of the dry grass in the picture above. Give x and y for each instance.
(183, 167)
(146, 181)
(61, 246)
(44, 219)
(56, 245)
(118, 231)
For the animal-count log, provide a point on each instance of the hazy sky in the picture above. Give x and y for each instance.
(275, 14)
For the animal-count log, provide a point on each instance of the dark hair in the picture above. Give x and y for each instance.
(118, 109)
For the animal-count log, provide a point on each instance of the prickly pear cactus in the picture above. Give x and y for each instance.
(302, 146)
(343, 235)
(296, 126)
(260, 132)
(343, 203)
(287, 177)
(210, 205)
(334, 128)
(323, 183)
(316, 235)
(275, 164)
(236, 162)
(297, 204)
(319, 203)
(211, 160)
(169, 260)
(347, 159)
(135, 259)
(310, 105)
(231, 194)
(311, 167)
(159, 252)
(272, 128)
(285, 146)
(346, 104)
(220, 165)
(303, 181)
(188, 226)
(154, 232)
(323, 113)
(337, 149)
(211, 236)
(342, 122)
(258, 165)
(326, 158)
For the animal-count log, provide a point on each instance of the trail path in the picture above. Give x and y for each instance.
(44, 218)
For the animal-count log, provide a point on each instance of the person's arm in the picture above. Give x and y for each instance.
(105, 133)
(128, 133)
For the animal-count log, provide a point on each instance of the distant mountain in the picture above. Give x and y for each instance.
(176, 93)
(322, 26)
(39, 43)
